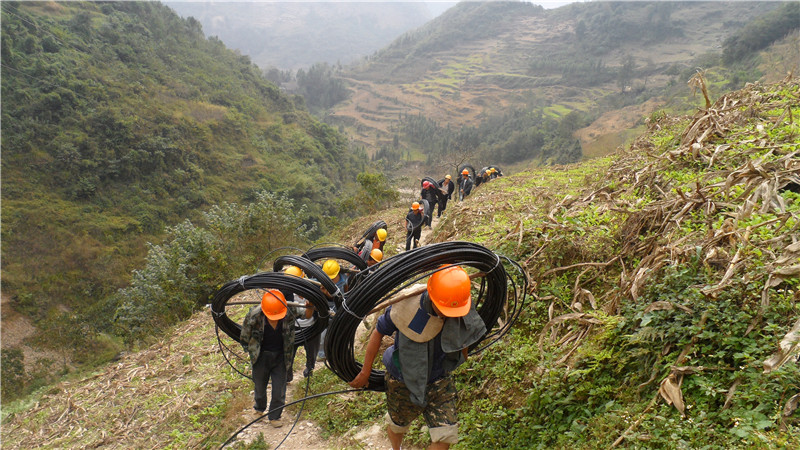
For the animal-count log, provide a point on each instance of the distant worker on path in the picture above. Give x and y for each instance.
(268, 336)
(310, 345)
(332, 269)
(447, 192)
(414, 221)
(464, 185)
(432, 333)
(375, 256)
(376, 241)
(429, 194)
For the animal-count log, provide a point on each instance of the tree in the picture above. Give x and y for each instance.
(626, 72)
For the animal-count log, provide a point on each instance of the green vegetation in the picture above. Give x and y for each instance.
(761, 32)
(629, 256)
(120, 119)
(518, 135)
(320, 87)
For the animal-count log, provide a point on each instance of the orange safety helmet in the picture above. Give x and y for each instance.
(273, 304)
(449, 289)
(376, 254)
(415, 206)
(465, 172)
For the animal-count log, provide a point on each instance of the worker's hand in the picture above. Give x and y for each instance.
(361, 380)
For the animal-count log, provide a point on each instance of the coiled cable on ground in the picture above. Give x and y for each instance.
(394, 273)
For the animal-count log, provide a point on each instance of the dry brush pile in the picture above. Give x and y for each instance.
(175, 393)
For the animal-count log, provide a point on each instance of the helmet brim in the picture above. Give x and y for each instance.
(277, 316)
(458, 311)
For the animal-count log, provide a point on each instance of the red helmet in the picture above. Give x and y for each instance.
(426, 184)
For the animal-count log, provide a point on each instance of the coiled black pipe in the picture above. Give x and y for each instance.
(343, 253)
(431, 181)
(369, 233)
(400, 271)
(469, 168)
(270, 280)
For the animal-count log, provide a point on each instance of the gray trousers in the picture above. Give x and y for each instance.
(270, 366)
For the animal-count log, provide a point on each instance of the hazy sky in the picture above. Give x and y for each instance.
(436, 7)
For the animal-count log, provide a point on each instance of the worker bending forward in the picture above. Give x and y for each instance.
(432, 332)
(268, 336)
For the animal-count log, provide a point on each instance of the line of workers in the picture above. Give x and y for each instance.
(439, 193)
(268, 336)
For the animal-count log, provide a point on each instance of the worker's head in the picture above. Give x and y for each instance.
(273, 304)
(294, 271)
(375, 256)
(331, 268)
(488, 172)
(465, 172)
(449, 290)
(381, 234)
(448, 177)
(426, 185)
(415, 206)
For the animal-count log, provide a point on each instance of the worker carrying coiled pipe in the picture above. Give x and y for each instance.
(432, 333)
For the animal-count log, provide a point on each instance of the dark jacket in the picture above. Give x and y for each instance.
(415, 219)
(466, 186)
(449, 188)
(253, 333)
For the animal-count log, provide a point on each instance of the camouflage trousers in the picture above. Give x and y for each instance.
(439, 412)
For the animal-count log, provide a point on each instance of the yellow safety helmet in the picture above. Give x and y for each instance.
(448, 177)
(376, 254)
(331, 268)
(294, 270)
(381, 233)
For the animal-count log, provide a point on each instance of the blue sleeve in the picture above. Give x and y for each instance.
(385, 324)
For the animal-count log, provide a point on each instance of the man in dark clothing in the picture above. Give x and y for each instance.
(464, 185)
(429, 194)
(414, 221)
(268, 336)
(432, 333)
(446, 193)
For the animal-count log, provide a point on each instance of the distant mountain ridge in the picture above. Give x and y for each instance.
(293, 35)
(486, 59)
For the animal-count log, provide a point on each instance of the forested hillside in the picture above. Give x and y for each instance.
(121, 118)
(540, 76)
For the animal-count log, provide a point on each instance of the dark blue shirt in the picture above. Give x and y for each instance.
(387, 327)
(273, 338)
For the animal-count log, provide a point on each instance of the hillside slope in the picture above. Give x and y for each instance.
(485, 59)
(120, 118)
(665, 312)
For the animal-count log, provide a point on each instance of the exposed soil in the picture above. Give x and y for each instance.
(15, 329)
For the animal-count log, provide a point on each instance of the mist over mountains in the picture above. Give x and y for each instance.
(293, 35)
